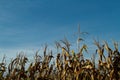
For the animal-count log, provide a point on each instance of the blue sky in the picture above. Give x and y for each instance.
(28, 24)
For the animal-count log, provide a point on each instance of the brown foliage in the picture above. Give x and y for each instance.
(68, 65)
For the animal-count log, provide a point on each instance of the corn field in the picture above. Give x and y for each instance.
(67, 65)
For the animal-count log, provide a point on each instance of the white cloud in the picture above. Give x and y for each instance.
(11, 53)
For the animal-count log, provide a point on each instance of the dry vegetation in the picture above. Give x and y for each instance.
(69, 65)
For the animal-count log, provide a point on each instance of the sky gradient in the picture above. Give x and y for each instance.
(28, 24)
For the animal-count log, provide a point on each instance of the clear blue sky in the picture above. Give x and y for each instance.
(31, 23)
